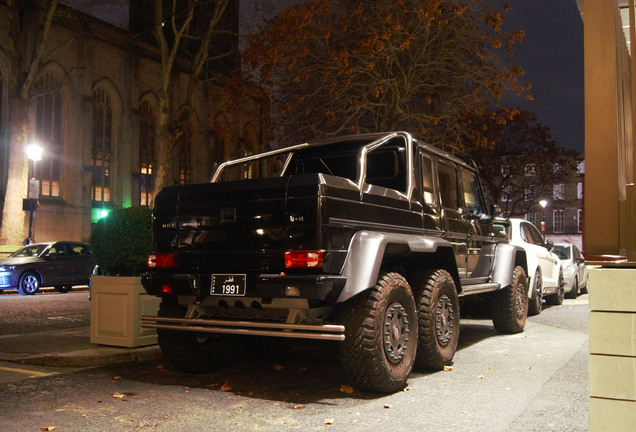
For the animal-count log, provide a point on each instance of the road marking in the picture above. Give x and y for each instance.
(31, 373)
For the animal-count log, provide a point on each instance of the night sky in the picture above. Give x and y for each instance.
(552, 57)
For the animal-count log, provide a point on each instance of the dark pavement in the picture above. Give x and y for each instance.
(68, 348)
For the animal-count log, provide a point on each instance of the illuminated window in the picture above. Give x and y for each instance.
(48, 130)
(102, 141)
(147, 139)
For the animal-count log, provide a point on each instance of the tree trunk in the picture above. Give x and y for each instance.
(165, 145)
(13, 230)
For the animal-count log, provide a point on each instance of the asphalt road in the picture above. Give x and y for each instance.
(48, 310)
(533, 381)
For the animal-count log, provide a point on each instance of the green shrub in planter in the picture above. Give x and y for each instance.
(122, 240)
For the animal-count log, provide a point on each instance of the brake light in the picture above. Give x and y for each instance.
(303, 259)
(161, 261)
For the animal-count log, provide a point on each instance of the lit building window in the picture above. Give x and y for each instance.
(147, 137)
(558, 192)
(48, 129)
(102, 140)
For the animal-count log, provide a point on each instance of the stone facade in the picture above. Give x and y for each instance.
(94, 108)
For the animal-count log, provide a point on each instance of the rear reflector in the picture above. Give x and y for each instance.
(303, 259)
(161, 261)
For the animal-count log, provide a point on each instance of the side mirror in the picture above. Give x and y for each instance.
(549, 244)
(581, 260)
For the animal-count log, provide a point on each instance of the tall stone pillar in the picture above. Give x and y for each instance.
(601, 207)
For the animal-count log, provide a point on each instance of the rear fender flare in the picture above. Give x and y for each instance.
(366, 252)
(507, 257)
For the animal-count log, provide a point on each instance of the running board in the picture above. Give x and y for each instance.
(479, 288)
(298, 331)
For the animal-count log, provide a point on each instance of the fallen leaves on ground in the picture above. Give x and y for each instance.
(225, 387)
(448, 368)
(329, 421)
(119, 395)
(47, 428)
(346, 389)
(278, 368)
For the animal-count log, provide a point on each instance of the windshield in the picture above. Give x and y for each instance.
(31, 250)
(563, 252)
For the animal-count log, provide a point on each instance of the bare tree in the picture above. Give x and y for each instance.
(25, 60)
(183, 31)
(519, 160)
(337, 66)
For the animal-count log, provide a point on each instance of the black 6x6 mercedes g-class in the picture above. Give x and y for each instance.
(369, 240)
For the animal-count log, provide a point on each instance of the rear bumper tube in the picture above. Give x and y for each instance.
(298, 331)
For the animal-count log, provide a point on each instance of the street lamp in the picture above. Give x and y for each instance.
(30, 204)
(543, 203)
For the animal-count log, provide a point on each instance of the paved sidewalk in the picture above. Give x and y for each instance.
(70, 348)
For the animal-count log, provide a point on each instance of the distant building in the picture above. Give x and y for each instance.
(94, 109)
(562, 217)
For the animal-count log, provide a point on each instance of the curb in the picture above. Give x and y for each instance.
(92, 357)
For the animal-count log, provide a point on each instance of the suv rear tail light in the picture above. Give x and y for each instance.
(303, 259)
(161, 261)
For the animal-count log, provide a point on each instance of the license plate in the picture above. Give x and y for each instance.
(228, 285)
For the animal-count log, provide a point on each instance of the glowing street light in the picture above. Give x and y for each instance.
(30, 204)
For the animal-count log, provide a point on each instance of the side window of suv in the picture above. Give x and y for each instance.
(428, 185)
(473, 200)
(448, 185)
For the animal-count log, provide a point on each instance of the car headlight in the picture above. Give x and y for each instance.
(7, 268)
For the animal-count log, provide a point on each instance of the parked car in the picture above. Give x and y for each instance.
(574, 269)
(60, 264)
(545, 276)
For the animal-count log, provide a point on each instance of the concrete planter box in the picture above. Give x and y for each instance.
(612, 365)
(116, 305)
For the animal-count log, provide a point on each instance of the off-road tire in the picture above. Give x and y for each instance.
(192, 352)
(510, 305)
(438, 318)
(29, 283)
(380, 335)
(535, 303)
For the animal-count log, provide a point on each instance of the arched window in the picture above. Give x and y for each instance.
(48, 130)
(147, 138)
(102, 142)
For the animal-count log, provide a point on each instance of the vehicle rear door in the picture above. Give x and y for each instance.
(81, 263)
(455, 228)
(481, 239)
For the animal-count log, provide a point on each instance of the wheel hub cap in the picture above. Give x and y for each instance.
(396, 332)
(444, 322)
